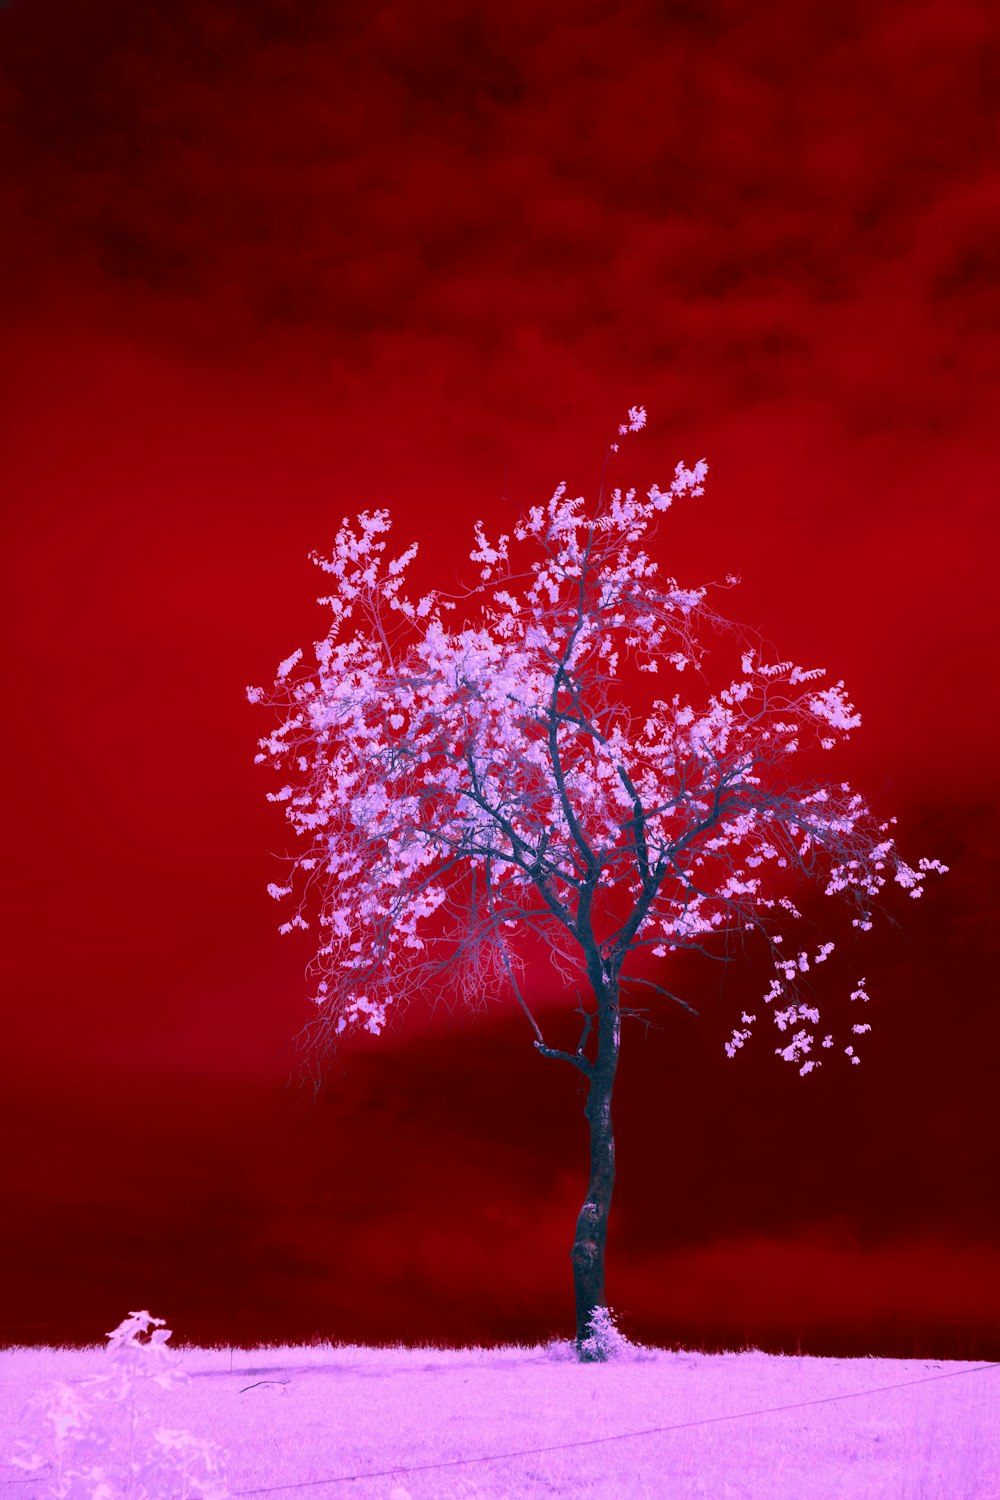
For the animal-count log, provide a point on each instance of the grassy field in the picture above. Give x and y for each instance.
(426, 1424)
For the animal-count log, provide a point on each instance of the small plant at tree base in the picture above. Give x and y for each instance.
(606, 1343)
(166, 1464)
(461, 788)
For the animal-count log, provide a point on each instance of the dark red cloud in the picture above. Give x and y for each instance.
(803, 205)
(265, 265)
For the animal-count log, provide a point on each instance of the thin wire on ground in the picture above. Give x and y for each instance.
(615, 1437)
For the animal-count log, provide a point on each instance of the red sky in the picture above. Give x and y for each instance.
(266, 265)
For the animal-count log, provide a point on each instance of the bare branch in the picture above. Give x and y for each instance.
(635, 979)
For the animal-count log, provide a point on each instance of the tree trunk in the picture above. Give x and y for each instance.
(592, 1223)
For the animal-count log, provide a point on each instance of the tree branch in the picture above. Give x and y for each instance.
(579, 1059)
(634, 979)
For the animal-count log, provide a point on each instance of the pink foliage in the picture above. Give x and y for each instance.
(487, 776)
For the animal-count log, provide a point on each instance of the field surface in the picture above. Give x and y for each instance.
(432, 1424)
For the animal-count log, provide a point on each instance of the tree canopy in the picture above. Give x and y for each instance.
(452, 788)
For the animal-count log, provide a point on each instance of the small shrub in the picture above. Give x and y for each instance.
(163, 1465)
(607, 1344)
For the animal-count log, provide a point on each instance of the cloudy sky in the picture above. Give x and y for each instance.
(267, 264)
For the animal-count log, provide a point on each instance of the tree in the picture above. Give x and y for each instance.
(453, 789)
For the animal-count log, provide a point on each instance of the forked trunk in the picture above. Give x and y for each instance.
(592, 1223)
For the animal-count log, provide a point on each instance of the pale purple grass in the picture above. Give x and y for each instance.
(430, 1424)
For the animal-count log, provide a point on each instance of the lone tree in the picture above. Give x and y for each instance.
(453, 789)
